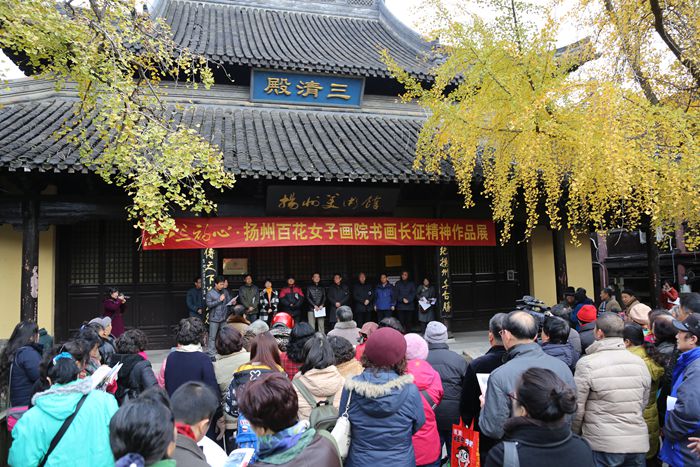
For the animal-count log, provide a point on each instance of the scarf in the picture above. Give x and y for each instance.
(282, 440)
(185, 430)
(189, 348)
(684, 361)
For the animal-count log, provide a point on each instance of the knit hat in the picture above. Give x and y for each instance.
(436, 333)
(258, 327)
(385, 347)
(587, 314)
(368, 328)
(639, 313)
(104, 322)
(416, 347)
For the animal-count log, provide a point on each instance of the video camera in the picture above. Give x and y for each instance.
(537, 308)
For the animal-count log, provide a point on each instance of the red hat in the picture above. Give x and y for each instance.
(587, 314)
(385, 347)
(283, 318)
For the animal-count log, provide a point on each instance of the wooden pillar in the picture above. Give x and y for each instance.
(561, 276)
(29, 285)
(443, 287)
(208, 268)
(654, 269)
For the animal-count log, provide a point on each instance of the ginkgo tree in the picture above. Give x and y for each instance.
(117, 56)
(611, 144)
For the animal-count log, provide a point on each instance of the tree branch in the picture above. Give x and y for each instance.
(690, 65)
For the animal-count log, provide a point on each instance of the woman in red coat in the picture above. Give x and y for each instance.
(668, 295)
(114, 307)
(426, 441)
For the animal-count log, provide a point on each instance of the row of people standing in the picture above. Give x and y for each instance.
(317, 304)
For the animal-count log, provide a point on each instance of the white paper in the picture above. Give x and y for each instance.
(216, 457)
(483, 379)
(320, 313)
(671, 402)
(104, 376)
(233, 301)
(424, 303)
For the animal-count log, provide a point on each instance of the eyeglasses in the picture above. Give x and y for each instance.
(512, 397)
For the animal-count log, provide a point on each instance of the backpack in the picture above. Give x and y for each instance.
(323, 414)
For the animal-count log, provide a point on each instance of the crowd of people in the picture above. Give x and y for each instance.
(586, 386)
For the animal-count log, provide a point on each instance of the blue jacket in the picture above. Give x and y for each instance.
(684, 420)
(563, 352)
(384, 297)
(407, 290)
(574, 312)
(25, 372)
(86, 442)
(385, 411)
(195, 301)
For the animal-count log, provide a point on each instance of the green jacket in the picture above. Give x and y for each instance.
(86, 442)
(651, 413)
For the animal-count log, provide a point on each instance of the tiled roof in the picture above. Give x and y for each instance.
(257, 142)
(243, 33)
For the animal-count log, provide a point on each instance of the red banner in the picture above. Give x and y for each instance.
(240, 232)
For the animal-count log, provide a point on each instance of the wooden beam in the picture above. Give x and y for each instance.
(560, 273)
(654, 269)
(29, 285)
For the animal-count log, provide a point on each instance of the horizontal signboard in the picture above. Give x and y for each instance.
(286, 87)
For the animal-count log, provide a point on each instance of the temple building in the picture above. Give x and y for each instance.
(309, 121)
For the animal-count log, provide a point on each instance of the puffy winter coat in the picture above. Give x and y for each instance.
(385, 411)
(224, 368)
(651, 413)
(347, 330)
(269, 302)
(384, 297)
(25, 372)
(135, 376)
(684, 420)
(311, 448)
(218, 311)
(587, 333)
(613, 389)
(315, 296)
(322, 384)
(426, 441)
(291, 300)
(249, 297)
(503, 381)
(405, 290)
(563, 352)
(451, 367)
(86, 442)
(244, 374)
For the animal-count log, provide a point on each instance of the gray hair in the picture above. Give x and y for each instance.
(611, 324)
(344, 313)
(496, 325)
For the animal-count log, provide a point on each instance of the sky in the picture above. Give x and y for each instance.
(405, 10)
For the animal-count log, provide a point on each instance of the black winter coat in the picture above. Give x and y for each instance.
(587, 333)
(336, 294)
(563, 352)
(470, 406)
(135, 376)
(315, 296)
(451, 367)
(25, 372)
(538, 444)
(107, 349)
(405, 289)
(360, 293)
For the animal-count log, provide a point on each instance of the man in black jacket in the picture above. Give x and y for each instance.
(405, 300)
(337, 295)
(316, 299)
(292, 299)
(362, 295)
(470, 406)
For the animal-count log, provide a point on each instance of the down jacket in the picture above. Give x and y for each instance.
(613, 388)
(322, 384)
(426, 441)
(86, 442)
(651, 413)
(451, 367)
(385, 411)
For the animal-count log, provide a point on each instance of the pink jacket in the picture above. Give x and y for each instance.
(426, 441)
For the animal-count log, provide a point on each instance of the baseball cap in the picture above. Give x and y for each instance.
(691, 324)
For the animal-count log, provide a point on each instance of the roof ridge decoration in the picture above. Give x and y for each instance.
(332, 37)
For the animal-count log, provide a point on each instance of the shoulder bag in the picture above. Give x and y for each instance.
(341, 431)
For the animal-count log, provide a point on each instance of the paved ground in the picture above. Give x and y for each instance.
(469, 344)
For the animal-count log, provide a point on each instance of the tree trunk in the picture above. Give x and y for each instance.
(561, 275)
